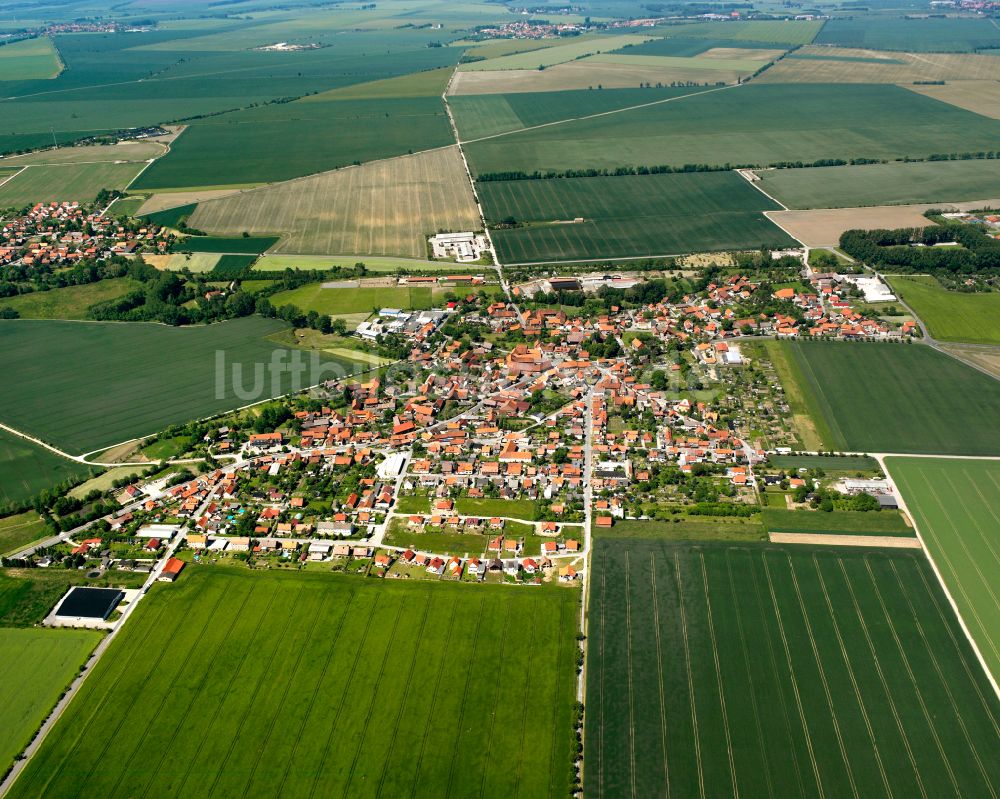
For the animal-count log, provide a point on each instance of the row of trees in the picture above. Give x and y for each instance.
(978, 252)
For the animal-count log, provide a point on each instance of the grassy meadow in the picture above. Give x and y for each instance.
(27, 469)
(139, 377)
(866, 397)
(837, 522)
(951, 315)
(20, 529)
(754, 124)
(953, 503)
(70, 302)
(347, 301)
(633, 215)
(862, 681)
(387, 208)
(39, 666)
(883, 184)
(387, 688)
(74, 182)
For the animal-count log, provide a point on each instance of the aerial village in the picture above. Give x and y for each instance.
(516, 429)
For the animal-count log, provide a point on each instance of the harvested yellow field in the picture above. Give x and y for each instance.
(382, 208)
(585, 74)
(813, 64)
(978, 96)
(173, 199)
(822, 227)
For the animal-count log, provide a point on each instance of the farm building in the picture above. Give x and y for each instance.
(84, 604)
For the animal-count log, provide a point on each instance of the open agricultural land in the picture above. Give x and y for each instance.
(772, 32)
(20, 529)
(384, 208)
(952, 502)
(74, 182)
(29, 59)
(39, 665)
(869, 397)
(951, 315)
(929, 34)
(755, 124)
(386, 687)
(278, 263)
(882, 184)
(847, 65)
(26, 469)
(347, 301)
(633, 215)
(863, 682)
(70, 302)
(140, 377)
(981, 97)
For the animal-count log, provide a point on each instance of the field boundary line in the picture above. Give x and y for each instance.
(758, 187)
(951, 636)
(9, 178)
(659, 674)
(822, 676)
(690, 678)
(944, 682)
(374, 697)
(433, 704)
(631, 697)
(881, 676)
(753, 694)
(256, 690)
(913, 679)
(791, 676)
(937, 573)
(594, 116)
(852, 676)
(718, 676)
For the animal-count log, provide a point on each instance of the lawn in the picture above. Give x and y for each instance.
(634, 215)
(346, 301)
(27, 469)
(934, 34)
(59, 182)
(70, 302)
(29, 59)
(39, 665)
(139, 377)
(951, 315)
(954, 505)
(837, 522)
(505, 508)
(460, 544)
(757, 670)
(895, 398)
(19, 530)
(394, 688)
(751, 124)
(385, 208)
(883, 184)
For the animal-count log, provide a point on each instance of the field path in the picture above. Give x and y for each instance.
(890, 541)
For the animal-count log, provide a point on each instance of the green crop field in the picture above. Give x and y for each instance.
(346, 301)
(21, 529)
(385, 688)
(862, 681)
(38, 666)
(27, 469)
(139, 379)
(752, 124)
(677, 46)
(559, 54)
(951, 315)
(366, 130)
(478, 115)
(774, 32)
(279, 263)
(935, 34)
(883, 184)
(250, 245)
(633, 215)
(58, 182)
(954, 505)
(70, 302)
(385, 208)
(896, 398)
(29, 59)
(837, 522)
(846, 463)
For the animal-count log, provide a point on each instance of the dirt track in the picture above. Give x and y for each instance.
(888, 541)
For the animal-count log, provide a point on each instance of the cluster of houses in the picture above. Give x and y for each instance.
(61, 234)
